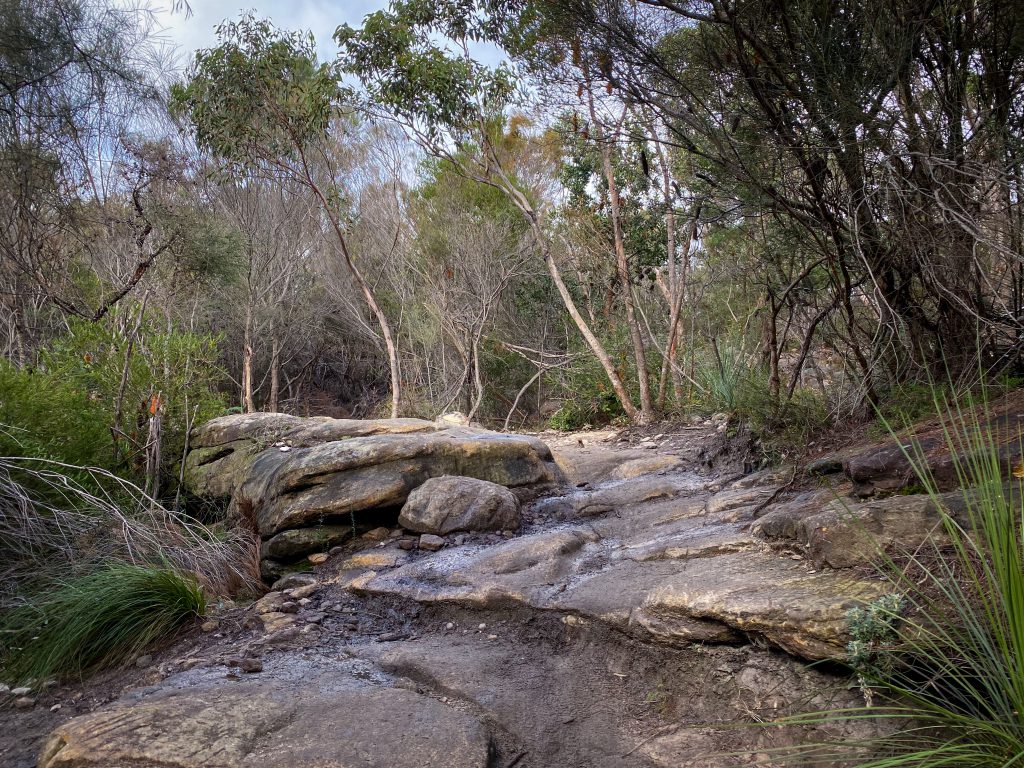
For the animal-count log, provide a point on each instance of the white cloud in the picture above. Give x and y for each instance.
(321, 17)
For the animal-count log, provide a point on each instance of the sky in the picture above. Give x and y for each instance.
(321, 17)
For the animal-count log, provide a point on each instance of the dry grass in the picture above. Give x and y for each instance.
(50, 520)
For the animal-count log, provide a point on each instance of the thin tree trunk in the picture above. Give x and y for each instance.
(275, 373)
(622, 267)
(478, 382)
(364, 287)
(248, 405)
(526, 208)
(675, 312)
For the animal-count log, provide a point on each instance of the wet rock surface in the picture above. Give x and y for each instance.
(642, 610)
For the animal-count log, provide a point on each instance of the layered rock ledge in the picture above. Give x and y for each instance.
(297, 482)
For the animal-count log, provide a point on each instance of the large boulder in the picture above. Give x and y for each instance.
(222, 449)
(443, 505)
(301, 484)
(311, 486)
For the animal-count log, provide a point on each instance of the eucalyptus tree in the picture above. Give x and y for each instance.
(414, 62)
(261, 103)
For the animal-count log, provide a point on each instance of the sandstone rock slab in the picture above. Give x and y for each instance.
(270, 724)
(310, 486)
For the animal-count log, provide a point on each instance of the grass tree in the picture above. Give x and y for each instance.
(261, 103)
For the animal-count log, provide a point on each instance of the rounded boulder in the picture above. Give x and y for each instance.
(443, 505)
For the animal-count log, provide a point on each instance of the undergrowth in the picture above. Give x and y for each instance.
(943, 662)
(104, 617)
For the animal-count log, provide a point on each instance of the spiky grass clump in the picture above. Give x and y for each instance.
(97, 619)
(951, 691)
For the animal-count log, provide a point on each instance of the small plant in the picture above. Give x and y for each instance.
(873, 637)
(102, 618)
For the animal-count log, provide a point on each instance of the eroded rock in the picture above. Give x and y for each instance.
(263, 723)
(443, 505)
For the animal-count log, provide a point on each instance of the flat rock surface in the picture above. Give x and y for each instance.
(329, 723)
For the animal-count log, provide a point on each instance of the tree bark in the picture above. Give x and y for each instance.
(646, 413)
(248, 405)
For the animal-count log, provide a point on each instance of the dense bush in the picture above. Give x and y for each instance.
(45, 416)
(134, 375)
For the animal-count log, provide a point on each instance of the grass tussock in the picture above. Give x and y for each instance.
(101, 618)
(943, 667)
(60, 517)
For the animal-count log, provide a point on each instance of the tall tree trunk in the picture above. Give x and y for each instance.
(622, 266)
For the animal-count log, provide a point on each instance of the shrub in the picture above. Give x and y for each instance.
(172, 373)
(45, 417)
(101, 618)
(952, 683)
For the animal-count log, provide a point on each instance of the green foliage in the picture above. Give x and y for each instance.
(907, 403)
(405, 70)
(43, 415)
(104, 617)
(735, 384)
(260, 96)
(873, 637)
(153, 371)
(590, 400)
(953, 684)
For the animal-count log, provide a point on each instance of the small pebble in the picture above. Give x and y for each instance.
(492, 637)
(143, 661)
(210, 626)
(288, 607)
(299, 593)
(251, 665)
(55, 708)
(22, 691)
(318, 558)
(25, 702)
(482, 627)
(304, 601)
(430, 542)
(449, 626)
(4, 688)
